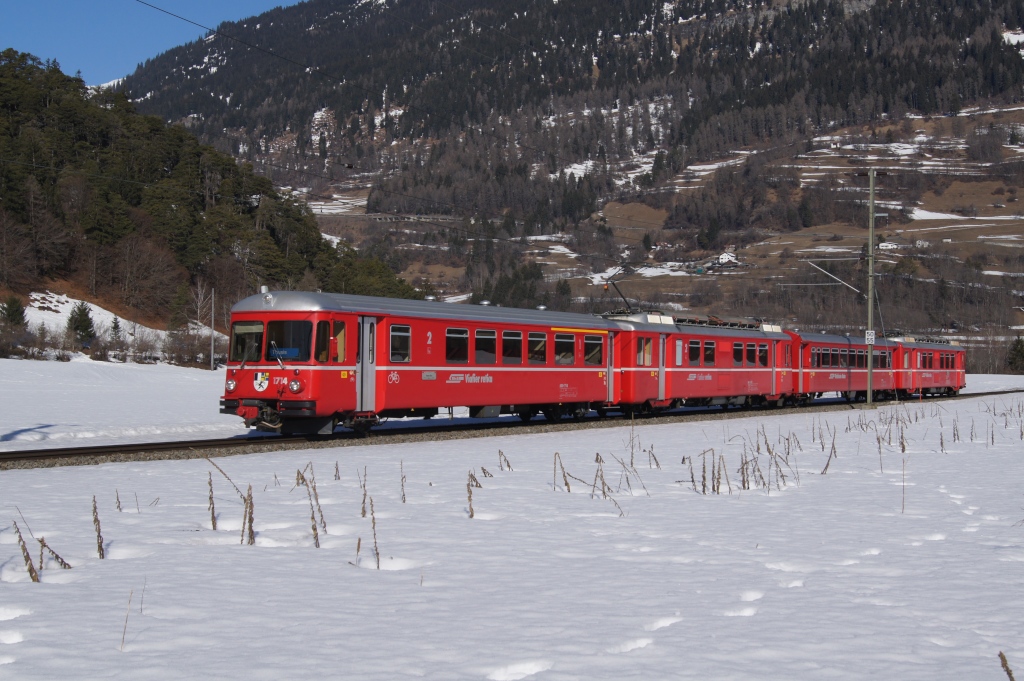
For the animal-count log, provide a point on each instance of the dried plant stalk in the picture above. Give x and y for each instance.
(503, 461)
(312, 516)
(212, 509)
(24, 552)
(316, 498)
(117, 496)
(125, 631)
(401, 470)
(373, 524)
(60, 561)
(240, 495)
(249, 504)
(99, 534)
(363, 483)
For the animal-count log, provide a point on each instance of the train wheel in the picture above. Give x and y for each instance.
(552, 414)
(526, 415)
(601, 412)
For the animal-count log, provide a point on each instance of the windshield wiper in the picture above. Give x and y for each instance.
(245, 353)
(277, 354)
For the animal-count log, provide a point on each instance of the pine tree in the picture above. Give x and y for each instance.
(80, 325)
(1015, 358)
(12, 312)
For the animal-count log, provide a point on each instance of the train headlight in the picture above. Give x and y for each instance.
(295, 385)
(231, 385)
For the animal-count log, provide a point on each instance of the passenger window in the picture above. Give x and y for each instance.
(709, 353)
(537, 348)
(844, 360)
(339, 332)
(762, 354)
(486, 346)
(456, 346)
(323, 341)
(737, 354)
(835, 357)
(814, 357)
(565, 348)
(593, 350)
(694, 353)
(246, 341)
(789, 355)
(401, 343)
(644, 352)
(751, 354)
(511, 347)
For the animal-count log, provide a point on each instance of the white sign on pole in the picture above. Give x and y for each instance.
(869, 337)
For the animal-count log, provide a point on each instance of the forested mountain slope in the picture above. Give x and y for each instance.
(136, 210)
(475, 106)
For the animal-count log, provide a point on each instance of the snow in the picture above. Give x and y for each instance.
(893, 564)
(83, 402)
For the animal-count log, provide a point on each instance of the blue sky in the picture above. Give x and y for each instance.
(106, 39)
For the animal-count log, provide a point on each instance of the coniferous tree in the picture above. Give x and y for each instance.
(80, 326)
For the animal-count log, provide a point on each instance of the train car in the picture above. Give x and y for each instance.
(926, 366)
(304, 362)
(666, 362)
(833, 363)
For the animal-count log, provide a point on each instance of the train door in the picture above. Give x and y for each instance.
(661, 366)
(610, 367)
(366, 382)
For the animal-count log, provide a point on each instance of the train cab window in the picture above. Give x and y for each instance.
(511, 347)
(751, 354)
(762, 355)
(679, 352)
(644, 352)
(339, 333)
(593, 350)
(456, 346)
(737, 354)
(537, 348)
(486, 351)
(401, 343)
(565, 348)
(323, 341)
(289, 340)
(709, 353)
(694, 358)
(246, 341)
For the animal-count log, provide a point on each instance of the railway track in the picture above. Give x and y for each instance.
(192, 449)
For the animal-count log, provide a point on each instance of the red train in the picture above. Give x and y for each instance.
(304, 362)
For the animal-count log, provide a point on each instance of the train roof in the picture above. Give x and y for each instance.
(933, 343)
(839, 340)
(307, 301)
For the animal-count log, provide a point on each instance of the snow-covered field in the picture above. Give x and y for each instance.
(894, 564)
